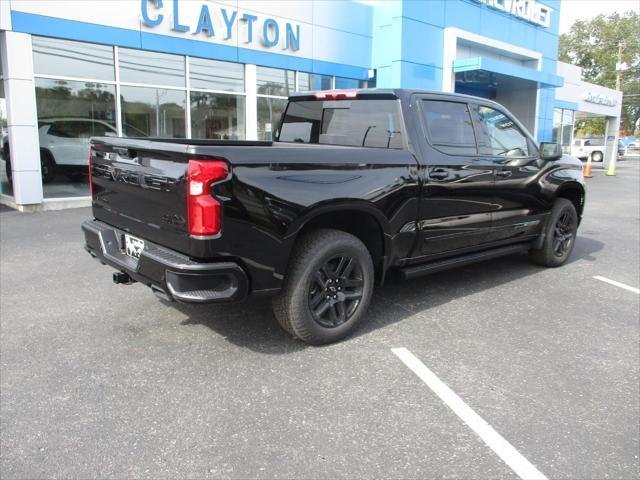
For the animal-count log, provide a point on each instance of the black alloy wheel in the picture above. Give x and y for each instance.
(336, 291)
(559, 237)
(563, 234)
(327, 288)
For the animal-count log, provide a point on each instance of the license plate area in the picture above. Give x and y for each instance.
(133, 246)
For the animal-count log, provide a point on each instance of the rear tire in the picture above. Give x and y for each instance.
(597, 156)
(327, 288)
(560, 238)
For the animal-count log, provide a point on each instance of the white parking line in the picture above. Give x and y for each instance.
(617, 284)
(520, 465)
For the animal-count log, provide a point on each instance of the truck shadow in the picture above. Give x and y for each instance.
(250, 324)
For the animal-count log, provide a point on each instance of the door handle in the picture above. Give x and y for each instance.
(439, 174)
(503, 173)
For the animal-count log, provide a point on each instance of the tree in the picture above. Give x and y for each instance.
(595, 44)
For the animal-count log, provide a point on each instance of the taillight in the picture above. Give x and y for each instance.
(336, 94)
(204, 211)
(90, 175)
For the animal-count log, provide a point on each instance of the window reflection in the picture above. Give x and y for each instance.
(216, 75)
(274, 81)
(52, 56)
(5, 185)
(153, 112)
(151, 68)
(69, 114)
(217, 116)
(269, 112)
(312, 81)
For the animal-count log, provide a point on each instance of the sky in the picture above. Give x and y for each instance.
(572, 10)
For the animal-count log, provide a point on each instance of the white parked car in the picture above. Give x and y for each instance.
(585, 147)
(632, 150)
(64, 144)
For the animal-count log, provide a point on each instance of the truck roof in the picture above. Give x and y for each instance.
(382, 93)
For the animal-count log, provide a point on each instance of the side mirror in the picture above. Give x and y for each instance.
(550, 151)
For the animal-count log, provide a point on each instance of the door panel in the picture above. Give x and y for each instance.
(457, 200)
(517, 166)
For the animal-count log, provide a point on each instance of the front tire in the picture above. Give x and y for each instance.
(597, 156)
(560, 238)
(327, 288)
(47, 166)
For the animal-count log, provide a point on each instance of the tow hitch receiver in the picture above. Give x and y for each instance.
(122, 278)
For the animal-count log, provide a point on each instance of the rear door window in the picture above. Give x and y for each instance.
(449, 127)
(356, 123)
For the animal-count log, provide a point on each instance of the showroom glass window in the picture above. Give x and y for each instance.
(66, 58)
(312, 81)
(205, 74)
(217, 99)
(153, 112)
(152, 68)
(273, 88)
(217, 116)
(156, 110)
(6, 188)
(75, 100)
(567, 130)
(556, 133)
(563, 120)
(274, 81)
(342, 82)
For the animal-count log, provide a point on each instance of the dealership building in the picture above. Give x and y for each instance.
(222, 69)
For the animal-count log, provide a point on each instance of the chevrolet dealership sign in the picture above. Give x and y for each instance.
(529, 10)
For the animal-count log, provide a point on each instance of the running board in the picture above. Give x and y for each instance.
(461, 260)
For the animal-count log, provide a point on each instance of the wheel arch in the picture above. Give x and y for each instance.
(49, 153)
(575, 193)
(362, 220)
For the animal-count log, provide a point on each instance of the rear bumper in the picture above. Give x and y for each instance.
(170, 274)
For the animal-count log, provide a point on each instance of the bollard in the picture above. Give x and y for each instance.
(611, 171)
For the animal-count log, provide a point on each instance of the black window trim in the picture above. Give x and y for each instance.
(523, 131)
(427, 135)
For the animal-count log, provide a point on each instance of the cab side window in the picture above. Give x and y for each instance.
(449, 127)
(499, 135)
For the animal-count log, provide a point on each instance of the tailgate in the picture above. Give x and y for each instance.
(139, 186)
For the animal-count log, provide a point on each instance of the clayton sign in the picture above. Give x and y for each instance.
(529, 10)
(269, 31)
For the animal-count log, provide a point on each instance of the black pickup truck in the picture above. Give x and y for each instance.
(357, 183)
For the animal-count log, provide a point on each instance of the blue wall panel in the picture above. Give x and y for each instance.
(463, 15)
(415, 75)
(422, 43)
(352, 17)
(426, 12)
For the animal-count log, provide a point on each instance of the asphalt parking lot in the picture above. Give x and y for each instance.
(101, 380)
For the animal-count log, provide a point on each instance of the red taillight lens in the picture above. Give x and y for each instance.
(90, 175)
(336, 94)
(204, 211)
